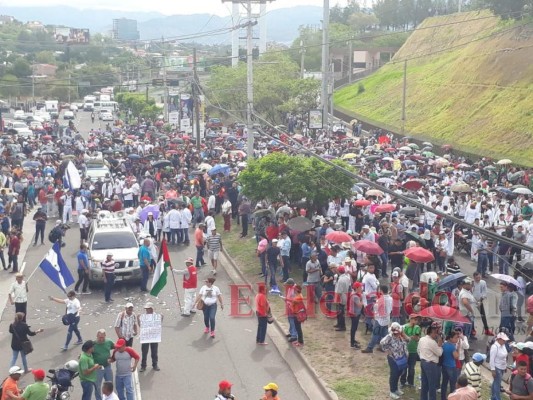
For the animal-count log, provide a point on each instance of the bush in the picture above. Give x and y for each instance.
(360, 88)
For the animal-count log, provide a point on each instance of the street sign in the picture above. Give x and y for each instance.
(158, 82)
(185, 125)
(84, 84)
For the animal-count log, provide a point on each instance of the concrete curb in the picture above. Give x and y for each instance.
(309, 380)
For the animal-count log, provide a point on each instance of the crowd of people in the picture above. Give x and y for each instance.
(352, 250)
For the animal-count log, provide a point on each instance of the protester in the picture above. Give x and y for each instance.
(463, 391)
(126, 360)
(190, 284)
(413, 331)
(107, 391)
(83, 270)
(108, 269)
(208, 296)
(10, 385)
(271, 392)
(87, 370)
(395, 345)
(37, 390)
(126, 325)
(214, 246)
(472, 371)
(72, 317)
(224, 391)
(20, 332)
(498, 364)
(152, 346)
(429, 351)
(18, 294)
(298, 305)
(101, 355)
(262, 310)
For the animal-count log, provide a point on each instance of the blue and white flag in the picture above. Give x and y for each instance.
(56, 269)
(72, 178)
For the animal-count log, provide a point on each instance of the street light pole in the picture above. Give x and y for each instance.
(325, 63)
(249, 82)
(404, 95)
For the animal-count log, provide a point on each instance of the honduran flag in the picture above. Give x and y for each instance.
(56, 269)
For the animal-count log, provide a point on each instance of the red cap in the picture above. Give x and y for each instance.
(357, 285)
(39, 374)
(120, 343)
(341, 270)
(224, 385)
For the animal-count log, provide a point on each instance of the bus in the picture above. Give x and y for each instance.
(105, 105)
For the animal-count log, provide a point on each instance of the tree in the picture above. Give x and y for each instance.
(45, 57)
(9, 85)
(20, 68)
(282, 177)
(509, 8)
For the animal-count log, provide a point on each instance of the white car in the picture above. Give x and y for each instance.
(68, 115)
(19, 115)
(42, 115)
(94, 172)
(111, 233)
(22, 129)
(73, 107)
(36, 125)
(106, 117)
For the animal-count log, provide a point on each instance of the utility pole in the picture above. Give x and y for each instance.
(460, 5)
(302, 59)
(196, 100)
(69, 82)
(325, 63)
(404, 96)
(33, 87)
(350, 62)
(249, 82)
(165, 87)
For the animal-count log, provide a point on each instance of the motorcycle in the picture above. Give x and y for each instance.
(462, 240)
(61, 381)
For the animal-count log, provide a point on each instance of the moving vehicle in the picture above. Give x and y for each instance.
(19, 115)
(88, 103)
(111, 233)
(20, 129)
(52, 107)
(106, 116)
(105, 105)
(68, 115)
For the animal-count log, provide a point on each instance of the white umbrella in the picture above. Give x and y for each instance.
(525, 191)
(386, 180)
(405, 148)
(505, 161)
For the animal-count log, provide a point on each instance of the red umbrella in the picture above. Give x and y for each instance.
(413, 185)
(444, 313)
(446, 146)
(47, 137)
(419, 254)
(385, 208)
(186, 137)
(362, 202)
(338, 237)
(368, 247)
(390, 149)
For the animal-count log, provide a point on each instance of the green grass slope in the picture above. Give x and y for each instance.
(469, 84)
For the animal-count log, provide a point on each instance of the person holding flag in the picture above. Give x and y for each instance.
(190, 284)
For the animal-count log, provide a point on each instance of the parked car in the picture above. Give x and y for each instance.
(68, 115)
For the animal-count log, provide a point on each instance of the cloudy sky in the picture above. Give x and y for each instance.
(164, 6)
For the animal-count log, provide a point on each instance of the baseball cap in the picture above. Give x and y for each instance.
(121, 342)
(478, 357)
(366, 227)
(189, 261)
(341, 270)
(271, 386)
(109, 253)
(149, 305)
(128, 305)
(224, 385)
(274, 240)
(15, 370)
(347, 259)
(39, 374)
(467, 281)
(502, 336)
(357, 285)
(395, 274)
(289, 281)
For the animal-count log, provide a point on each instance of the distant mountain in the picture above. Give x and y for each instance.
(282, 23)
(96, 20)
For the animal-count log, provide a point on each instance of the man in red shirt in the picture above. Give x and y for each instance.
(13, 252)
(272, 231)
(190, 284)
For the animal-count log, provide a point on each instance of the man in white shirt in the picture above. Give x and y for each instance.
(18, 294)
(107, 391)
(174, 220)
(429, 351)
(185, 220)
(382, 310)
(84, 224)
(210, 222)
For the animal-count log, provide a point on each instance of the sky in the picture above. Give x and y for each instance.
(165, 6)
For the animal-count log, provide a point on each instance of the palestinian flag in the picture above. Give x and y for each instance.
(160, 274)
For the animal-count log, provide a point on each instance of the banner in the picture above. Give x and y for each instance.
(315, 119)
(151, 327)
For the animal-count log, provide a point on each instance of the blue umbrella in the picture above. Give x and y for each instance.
(411, 173)
(504, 190)
(231, 139)
(219, 169)
(409, 162)
(31, 164)
(143, 215)
(450, 280)
(273, 143)
(134, 156)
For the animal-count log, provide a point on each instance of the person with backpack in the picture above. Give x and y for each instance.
(126, 326)
(521, 384)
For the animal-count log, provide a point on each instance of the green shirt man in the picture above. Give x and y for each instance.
(37, 390)
(102, 351)
(87, 367)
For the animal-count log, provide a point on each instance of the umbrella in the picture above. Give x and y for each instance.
(413, 185)
(419, 254)
(507, 278)
(434, 175)
(385, 208)
(409, 162)
(47, 137)
(31, 164)
(450, 280)
(386, 172)
(219, 169)
(410, 173)
(428, 154)
(427, 144)
(463, 166)
(162, 164)
(504, 190)
(368, 247)
(525, 191)
(446, 147)
(349, 156)
(409, 211)
(414, 236)
(405, 148)
(387, 159)
(490, 168)
(143, 215)
(442, 162)
(338, 237)
(357, 189)
(204, 167)
(444, 313)
(414, 146)
(362, 202)
(374, 192)
(461, 188)
(390, 149)
(48, 153)
(263, 213)
(504, 161)
(373, 158)
(134, 156)
(386, 180)
(283, 210)
(300, 224)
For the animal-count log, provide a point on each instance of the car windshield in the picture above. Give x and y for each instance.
(112, 240)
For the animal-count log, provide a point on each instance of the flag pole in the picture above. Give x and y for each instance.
(176, 287)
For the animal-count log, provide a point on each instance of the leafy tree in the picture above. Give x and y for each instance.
(9, 85)
(282, 177)
(20, 68)
(509, 8)
(342, 15)
(45, 57)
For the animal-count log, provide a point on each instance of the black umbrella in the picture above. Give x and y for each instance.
(161, 164)
(300, 224)
(134, 156)
(451, 280)
(412, 211)
(414, 236)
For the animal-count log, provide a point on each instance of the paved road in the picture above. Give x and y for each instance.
(191, 363)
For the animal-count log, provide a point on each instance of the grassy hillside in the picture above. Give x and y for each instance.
(469, 83)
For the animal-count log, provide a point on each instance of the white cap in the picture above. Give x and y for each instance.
(15, 370)
(128, 305)
(502, 336)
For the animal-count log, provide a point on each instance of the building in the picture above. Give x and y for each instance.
(6, 19)
(125, 29)
(44, 69)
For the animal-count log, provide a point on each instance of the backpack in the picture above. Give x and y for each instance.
(17, 212)
(64, 377)
(54, 235)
